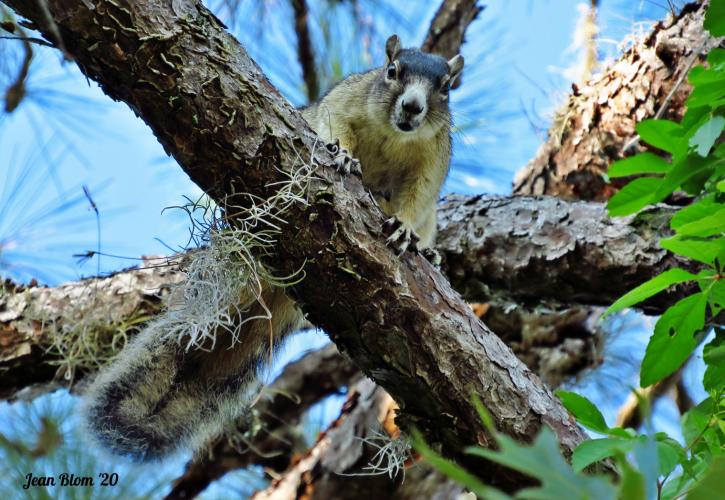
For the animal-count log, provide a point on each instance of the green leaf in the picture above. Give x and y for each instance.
(681, 172)
(705, 251)
(645, 453)
(659, 133)
(707, 134)
(650, 288)
(712, 485)
(543, 461)
(715, 18)
(717, 296)
(632, 484)
(586, 413)
(594, 450)
(634, 196)
(673, 340)
(721, 186)
(694, 212)
(707, 226)
(643, 163)
(705, 95)
(716, 59)
(455, 471)
(714, 356)
(700, 75)
(696, 420)
(669, 455)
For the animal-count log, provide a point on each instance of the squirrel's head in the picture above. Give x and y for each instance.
(413, 88)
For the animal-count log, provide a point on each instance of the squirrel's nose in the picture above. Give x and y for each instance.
(413, 107)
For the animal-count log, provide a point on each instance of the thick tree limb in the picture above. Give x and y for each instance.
(398, 319)
(524, 249)
(496, 250)
(596, 125)
(58, 334)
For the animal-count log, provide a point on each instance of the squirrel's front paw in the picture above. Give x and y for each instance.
(343, 161)
(433, 256)
(401, 237)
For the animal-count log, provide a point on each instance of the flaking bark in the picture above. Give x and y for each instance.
(230, 130)
(596, 125)
(492, 247)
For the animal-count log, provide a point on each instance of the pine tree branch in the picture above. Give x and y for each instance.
(448, 29)
(211, 108)
(491, 245)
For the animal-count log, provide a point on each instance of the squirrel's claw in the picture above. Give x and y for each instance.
(343, 161)
(402, 237)
(433, 256)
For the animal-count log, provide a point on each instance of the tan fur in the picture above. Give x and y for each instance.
(158, 396)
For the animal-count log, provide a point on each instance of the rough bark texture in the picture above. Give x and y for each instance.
(273, 439)
(335, 466)
(398, 319)
(596, 124)
(539, 250)
(448, 29)
(492, 247)
(58, 334)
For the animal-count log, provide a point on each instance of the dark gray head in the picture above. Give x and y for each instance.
(414, 87)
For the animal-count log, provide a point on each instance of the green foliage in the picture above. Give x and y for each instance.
(651, 465)
(696, 165)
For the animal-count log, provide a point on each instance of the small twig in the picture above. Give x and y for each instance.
(30, 39)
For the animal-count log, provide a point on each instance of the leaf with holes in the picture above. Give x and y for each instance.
(674, 338)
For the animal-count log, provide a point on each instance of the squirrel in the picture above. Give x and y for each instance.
(393, 124)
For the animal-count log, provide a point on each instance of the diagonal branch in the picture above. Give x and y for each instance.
(492, 247)
(231, 131)
(448, 28)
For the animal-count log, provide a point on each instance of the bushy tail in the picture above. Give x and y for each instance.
(161, 394)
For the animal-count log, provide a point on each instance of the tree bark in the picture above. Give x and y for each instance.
(337, 465)
(596, 125)
(448, 29)
(398, 319)
(53, 336)
(492, 247)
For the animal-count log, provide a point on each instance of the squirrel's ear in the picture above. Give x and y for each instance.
(392, 47)
(455, 65)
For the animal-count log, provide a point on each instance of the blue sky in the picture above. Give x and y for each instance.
(67, 134)
(73, 135)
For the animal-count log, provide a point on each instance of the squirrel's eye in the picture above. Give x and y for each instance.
(392, 72)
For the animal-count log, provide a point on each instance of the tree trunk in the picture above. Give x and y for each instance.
(596, 125)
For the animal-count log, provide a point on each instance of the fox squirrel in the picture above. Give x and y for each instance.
(157, 396)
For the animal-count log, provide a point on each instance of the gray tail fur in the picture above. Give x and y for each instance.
(158, 396)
